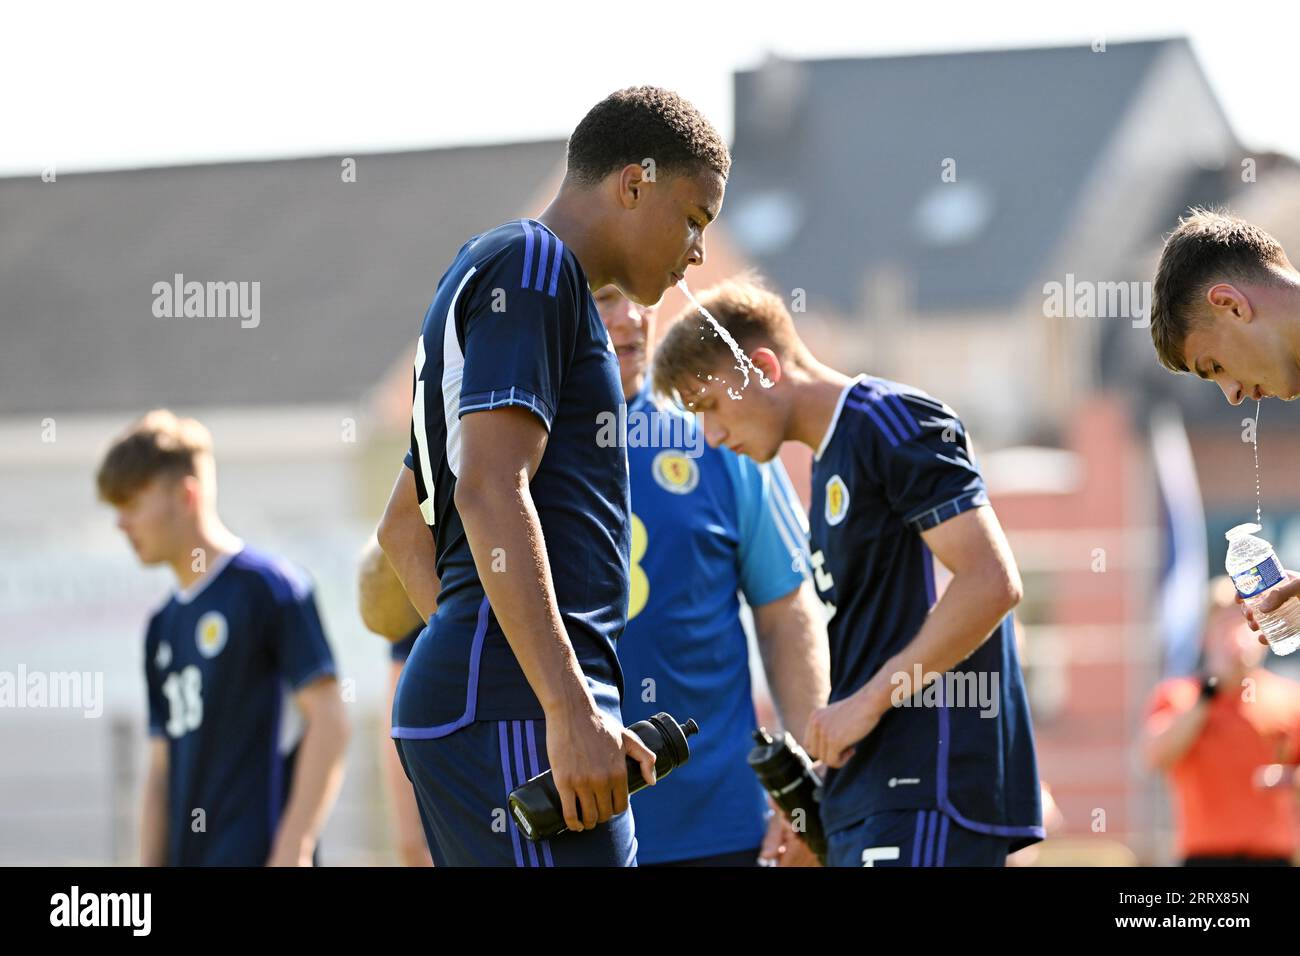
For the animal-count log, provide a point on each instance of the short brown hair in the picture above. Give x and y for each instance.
(1209, 245)
(753, 316)
(156, 444)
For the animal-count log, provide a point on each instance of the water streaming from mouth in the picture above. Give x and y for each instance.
(743, 362)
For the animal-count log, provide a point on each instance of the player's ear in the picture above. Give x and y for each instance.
(188, 489)
(632, 185)
(767, 362)
(1226, 299)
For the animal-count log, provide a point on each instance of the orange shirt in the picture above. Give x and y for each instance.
(1219, 809)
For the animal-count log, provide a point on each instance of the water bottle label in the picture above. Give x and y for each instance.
(1260, 578)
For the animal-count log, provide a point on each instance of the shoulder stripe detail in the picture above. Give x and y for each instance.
(537, 279)
(528, 254)
(876, 417)
(555, 267)
(542, 259)
(898, 414)
(888, 412)
(895, 408)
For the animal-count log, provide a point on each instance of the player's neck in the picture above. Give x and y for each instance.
(208, 541)
(569, 217)
(632, 387)
(817, 389)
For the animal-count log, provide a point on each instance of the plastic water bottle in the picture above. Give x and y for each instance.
(1254, 569)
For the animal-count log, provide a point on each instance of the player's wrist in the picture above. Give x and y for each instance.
(872, 702)
(569, 701)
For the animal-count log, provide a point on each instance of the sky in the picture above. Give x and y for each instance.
(102, 86)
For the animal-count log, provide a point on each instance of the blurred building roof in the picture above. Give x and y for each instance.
(838, 165)
(347, 270)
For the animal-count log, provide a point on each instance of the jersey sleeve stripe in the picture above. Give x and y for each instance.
(884, 426)
(555, 266)
(938, 514)
(789, 517)
(783, 529)
(501, 397)
(528, 255)
(789, 501)
(542, 259)
(905, 414)
(897, 412)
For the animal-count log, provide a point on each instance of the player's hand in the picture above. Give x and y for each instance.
(1273, 598)
(587, 750)
(782, 846)
(834, 729)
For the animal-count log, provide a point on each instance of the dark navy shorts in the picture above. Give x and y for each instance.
(461, 784)
(914, 838)
(735, 858)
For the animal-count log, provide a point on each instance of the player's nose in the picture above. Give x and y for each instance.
(714, 433)
(697, 255)
(1232, 391)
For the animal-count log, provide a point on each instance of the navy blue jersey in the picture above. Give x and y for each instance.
(219, 662)
(896, 462)
(706, 524)
(513, 323)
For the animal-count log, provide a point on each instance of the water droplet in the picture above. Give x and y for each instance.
(743, 363)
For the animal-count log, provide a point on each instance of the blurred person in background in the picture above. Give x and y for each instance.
(387, 611)
(226, 786)
(1214, 733)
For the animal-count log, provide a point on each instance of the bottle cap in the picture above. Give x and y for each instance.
(1241, 530)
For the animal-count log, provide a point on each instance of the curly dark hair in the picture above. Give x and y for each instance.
(640, 123)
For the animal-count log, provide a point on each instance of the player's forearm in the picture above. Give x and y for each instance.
(974, 604)
(406, 541)
(1165, 747)
(505, 538)
(317, 779)
(791, 636)
(414, 560)
(153, 821)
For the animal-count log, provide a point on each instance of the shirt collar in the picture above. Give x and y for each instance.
(835, 419)
(187, 595)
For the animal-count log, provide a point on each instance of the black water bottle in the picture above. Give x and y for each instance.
(536, 804)
(787, 774)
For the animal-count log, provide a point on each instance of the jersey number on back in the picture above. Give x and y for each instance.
(640, 590)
